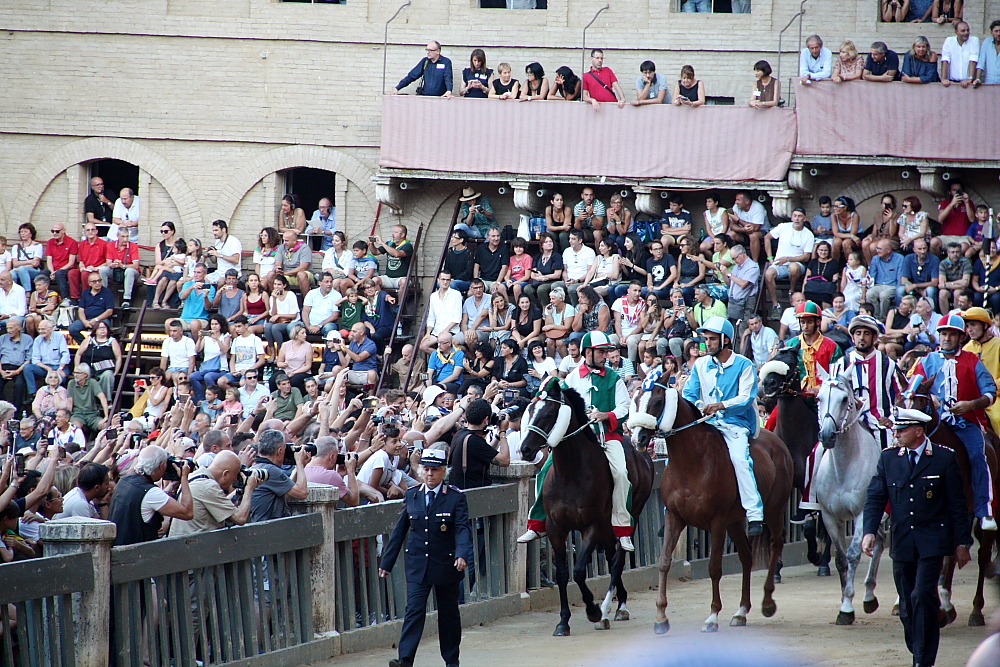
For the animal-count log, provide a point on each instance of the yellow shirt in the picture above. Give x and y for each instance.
(990, 356)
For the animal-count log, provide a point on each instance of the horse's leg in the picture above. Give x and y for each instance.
(775, 516)
(672, 527)
(558, 542)
(613, 558)
(580, 576)
(947, 613)
(809, 531)
(986, 541)
(742, 545)
(871, 601)
(846, 559)
(622, 613)
(824, 559)
(715, 571)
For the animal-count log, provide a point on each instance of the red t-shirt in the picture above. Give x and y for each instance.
(60, 252)
(957, 223)
(125, 255)
(93, 254)
(594, 87)
(520, 268)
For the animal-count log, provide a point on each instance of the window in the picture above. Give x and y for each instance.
(116, 174)
(720, 101)
(714, 6)
(309, 186)
(513, 4)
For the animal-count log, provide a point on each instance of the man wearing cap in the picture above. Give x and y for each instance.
(724, 384)
(982, 343)
(923, 486)
(438, 550)
(476, 215)
(608, 403)
(963, 388)
(871, 374)
(816, 351)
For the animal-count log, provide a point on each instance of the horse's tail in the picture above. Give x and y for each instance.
(760, 547)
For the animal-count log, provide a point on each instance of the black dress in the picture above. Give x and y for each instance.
(480, 76)
(526, 329)
(500, 89)
(821, 286)
(516, 373)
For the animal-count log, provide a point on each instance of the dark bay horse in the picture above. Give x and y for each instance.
(699, 489)
(918, 396)
(577, 495)
(798, 427)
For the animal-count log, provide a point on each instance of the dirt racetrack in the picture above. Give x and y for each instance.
(801, 633)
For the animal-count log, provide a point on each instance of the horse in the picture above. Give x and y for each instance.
(577, 496)
(798, 428)
(918, 396)
(699, 489)
(841, 487)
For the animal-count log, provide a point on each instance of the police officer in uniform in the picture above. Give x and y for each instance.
(927, 510)
(437, 552)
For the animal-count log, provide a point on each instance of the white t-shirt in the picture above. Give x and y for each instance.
(232, 246)
(380, 459)
(545, 366)
(322, 306)
(266, 263)
(74, 434)
(128, 215)
(789, 320)
(792, 242)
(154, 499)
(567, 364)
(337, 264)
(577, 263)
(288, 305)
(76, 504)
(514, 444)
(245, 349)
(757, 215)
(6, 260)
(178, 352)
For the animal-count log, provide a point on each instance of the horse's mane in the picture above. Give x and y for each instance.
(575, 401)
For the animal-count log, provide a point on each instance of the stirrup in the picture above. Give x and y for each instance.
(801, 516)
(529, 536)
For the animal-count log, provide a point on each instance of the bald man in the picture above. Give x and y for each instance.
(210, 489)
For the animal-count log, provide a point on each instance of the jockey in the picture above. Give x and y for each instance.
(608, 402)
(871, 374)
(816, 350)
(724, 384)
(982, 342)
(963, 389)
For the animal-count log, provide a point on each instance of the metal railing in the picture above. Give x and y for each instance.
(215, 597)
(41, 591)
(400, 307)
(134, 344)
(363, 599)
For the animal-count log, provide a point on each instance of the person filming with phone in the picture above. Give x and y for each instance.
(139, 506)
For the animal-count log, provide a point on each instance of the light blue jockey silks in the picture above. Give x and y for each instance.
(733, 383)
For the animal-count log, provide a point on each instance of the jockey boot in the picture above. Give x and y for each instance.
(755, 528)
(529, 536)
(988, 523)
(626, 543)
(801, 516)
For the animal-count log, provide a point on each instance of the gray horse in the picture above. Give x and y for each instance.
(841, 484)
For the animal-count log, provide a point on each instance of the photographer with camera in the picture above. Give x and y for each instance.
(211, 490)
(139, 506)
(270, 499)
(471, 455)
(323, 469)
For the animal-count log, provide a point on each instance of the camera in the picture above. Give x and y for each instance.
(183, 399)
(14, 425)
(174, 466)
(125, 416)
(246, 473)
(291, 449)
(112, 434)
(959, 192)
(20, 465)
(497, 417)
(234, 420)
(508, 396)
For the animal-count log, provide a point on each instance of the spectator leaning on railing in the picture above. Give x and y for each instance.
(139, 506)
(270, 499)
(213, 507)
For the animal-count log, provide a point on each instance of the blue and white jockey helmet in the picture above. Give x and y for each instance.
(952, 321)
(719, 325)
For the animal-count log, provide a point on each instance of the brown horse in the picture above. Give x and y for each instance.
(699, 489)
(577, 495)
(919, 397)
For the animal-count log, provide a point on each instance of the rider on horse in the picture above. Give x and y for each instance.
(608, 401)
(724, 384)
(986, 346)
(963, 388)
(871, 374)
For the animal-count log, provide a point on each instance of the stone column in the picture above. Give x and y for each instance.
(91, 610)
(322, 558)
(145, 208)
(523, 474)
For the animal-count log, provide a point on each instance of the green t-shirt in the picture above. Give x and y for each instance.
(287, 405)
(85, 399)
(350, 314)
(398, 267)
(701, 313)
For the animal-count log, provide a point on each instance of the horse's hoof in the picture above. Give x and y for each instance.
(845, 618)
(710, 627)
(738, 622)
(976, 619)
(942, 618)
(661, 628)
(777, 577)
(595, 615)
(895, 610)
(561, 631)
(823, 571)
(871, 605)
(952, 615)
(769, 609)
(603, 624)
(622, 615)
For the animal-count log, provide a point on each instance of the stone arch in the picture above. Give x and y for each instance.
(289, 157)
(98, 148)
(431, 200)
(889, 180)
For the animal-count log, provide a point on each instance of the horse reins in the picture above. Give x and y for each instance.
(544, 435)
(847, 424)
(674, 431)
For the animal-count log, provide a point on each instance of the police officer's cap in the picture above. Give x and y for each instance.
(904, 417)
(433, 458)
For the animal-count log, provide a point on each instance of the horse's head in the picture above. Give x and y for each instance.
(548, 418)
(780, 375)
(916, 393)
(653, 412)
(838, 408)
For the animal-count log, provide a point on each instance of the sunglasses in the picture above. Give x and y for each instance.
(164, 231)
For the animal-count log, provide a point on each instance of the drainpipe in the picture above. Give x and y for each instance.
(583, 58)
(799, 15)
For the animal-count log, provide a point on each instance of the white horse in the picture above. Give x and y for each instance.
(841, 486)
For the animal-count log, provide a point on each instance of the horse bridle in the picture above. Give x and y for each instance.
(545, 435)
(666, 433)
(857, 413)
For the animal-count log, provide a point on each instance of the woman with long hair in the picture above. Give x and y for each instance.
(540, 366)
(592, 314)
(511, 368)
(822, 278)
(846, 227)
(476, 77)
(291, 215)
(213, 344)
(479, 368)
(604, 272)
(568, 86)
(265, 256)
(883, 227)
(337, 261)
(256, 304)
(527, 322)
(536, 86)
(295, 358)
(632, 263)
(501, 315)
(716, 222)
(284, 311)
(28, 257)
(104, 356)
(559, 219)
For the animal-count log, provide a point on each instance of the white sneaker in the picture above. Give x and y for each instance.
(988, 523)
(64, 303)
(626, 543)
(529, 536)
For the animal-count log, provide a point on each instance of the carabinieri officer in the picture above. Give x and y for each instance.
(437, 552)
(927, 509)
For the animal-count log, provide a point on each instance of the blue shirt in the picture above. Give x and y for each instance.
(733, 383)
(54, 352)
(326, 224)
(886, 273)
(445, 366)
(816, 68)
(748, 270)
(369, 364)
(95, 304)
(194, 305)
(888, 64)
(437, 77)
(920, 273)
(989, 61)
(927, 71)
(15, 353)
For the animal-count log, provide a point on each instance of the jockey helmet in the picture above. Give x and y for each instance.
(952, 321)
(597, 340)
(977, 314)
(808, 309)
(719, 325)
(866, 322)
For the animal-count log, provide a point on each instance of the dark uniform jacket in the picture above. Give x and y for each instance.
(927, 508)
(436, 538)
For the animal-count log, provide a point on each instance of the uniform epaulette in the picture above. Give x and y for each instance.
(944, 447)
